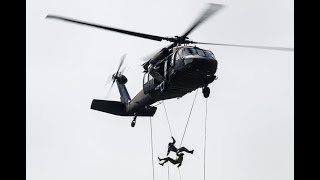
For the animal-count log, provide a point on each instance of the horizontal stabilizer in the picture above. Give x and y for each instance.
(118, 108)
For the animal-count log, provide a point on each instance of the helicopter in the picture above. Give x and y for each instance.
(173, 72)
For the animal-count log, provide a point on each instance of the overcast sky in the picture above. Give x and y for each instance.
(250, 109)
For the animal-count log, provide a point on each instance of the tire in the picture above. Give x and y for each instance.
(133, 123)
(206, 92)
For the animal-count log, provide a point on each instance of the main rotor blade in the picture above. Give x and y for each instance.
(212, 9)
(248, 46)
(132, 33)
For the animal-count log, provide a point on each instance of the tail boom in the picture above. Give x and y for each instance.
(118, 108)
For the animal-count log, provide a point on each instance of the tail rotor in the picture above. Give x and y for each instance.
(116, 75)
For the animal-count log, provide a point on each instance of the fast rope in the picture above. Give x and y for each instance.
(152, 149)
(188, 117)
(171, 130)
(205, 141)
(168, 172)
(165, 110)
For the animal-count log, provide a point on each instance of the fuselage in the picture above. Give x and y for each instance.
(188, 69)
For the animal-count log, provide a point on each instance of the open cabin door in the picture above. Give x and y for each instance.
(148, 83)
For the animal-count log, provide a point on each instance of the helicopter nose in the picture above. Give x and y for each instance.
(200, 71)
(201, 65)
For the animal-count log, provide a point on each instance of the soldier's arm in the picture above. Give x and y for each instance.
(174, 141)
(179, 164)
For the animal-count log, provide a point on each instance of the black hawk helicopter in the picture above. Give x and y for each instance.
(174, 71)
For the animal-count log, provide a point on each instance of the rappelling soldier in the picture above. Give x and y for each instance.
(172, 147)
(173, 161)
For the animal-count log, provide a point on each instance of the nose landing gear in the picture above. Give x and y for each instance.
(206, 91)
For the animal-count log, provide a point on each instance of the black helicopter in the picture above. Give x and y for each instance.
(174, 71)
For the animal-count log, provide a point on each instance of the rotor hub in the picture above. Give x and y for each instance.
(120, 78)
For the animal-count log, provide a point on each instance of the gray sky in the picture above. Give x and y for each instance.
(250, 109)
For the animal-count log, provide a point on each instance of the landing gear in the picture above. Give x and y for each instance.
(206, 91)
(133, 123)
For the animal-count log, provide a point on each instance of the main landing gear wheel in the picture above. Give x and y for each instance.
(206, 92)
(133, 123)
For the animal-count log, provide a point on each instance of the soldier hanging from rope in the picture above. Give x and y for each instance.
(172, 147)
(173, 161)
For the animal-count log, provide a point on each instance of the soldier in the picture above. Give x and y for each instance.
(173, 161)
(171, 147)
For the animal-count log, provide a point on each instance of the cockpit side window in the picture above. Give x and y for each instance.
(186, 52)
(181, 53)
(178, 54)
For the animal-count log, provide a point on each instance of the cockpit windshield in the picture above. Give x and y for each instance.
(195, 51)
(209, 54)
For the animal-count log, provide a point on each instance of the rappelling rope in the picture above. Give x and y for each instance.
(171, 130)
(187, 125)
(165, 110)
(189, 117)
(205, 141)
(168, 172)
(152, 149)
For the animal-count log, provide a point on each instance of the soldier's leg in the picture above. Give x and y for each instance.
(165, 160)
(172, 160)
(185, 150)
(168, 159)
